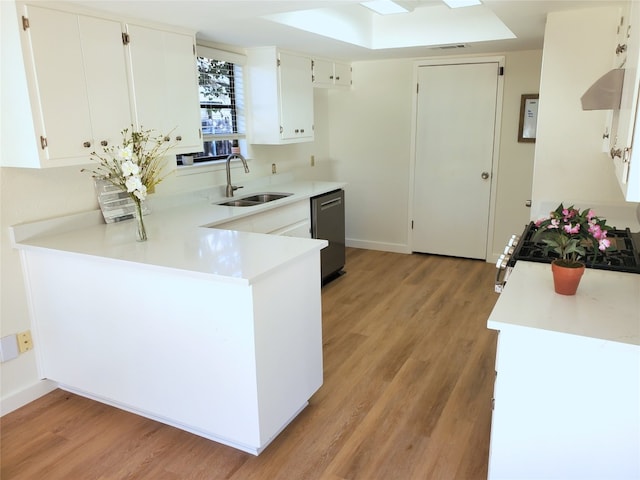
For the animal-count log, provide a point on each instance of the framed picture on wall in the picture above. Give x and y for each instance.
(528, 118)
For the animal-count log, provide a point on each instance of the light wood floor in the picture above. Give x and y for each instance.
(408, 381)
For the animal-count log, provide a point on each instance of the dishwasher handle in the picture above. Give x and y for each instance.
(334, 202)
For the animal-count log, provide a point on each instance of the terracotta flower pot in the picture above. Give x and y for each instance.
(566, 276)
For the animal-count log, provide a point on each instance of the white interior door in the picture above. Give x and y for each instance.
(455, 132)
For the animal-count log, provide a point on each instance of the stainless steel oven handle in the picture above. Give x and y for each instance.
(502, 272)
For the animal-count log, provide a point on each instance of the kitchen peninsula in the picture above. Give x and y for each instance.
(567, 389)
(217, 332)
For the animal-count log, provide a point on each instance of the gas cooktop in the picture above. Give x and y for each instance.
(624, 257)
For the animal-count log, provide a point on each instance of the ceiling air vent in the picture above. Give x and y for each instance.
(453, 46)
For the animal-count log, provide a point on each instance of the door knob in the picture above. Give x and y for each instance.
(485, 175)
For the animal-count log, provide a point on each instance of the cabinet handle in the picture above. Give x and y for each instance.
(296, 131)
(337, 78)
(302, 130)
(615, 152)
(104, 143)
(86, 144)
(179, 138)
(167, 139)
(330, 77)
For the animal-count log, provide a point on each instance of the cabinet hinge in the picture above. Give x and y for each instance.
(25, 22)
(43, 142)
(126, 39)
(500, 71)
(278, 63)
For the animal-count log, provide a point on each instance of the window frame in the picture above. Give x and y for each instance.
(237, 108)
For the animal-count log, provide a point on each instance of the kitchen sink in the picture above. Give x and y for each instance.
(256, 199)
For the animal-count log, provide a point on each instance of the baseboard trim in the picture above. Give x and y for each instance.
(21, 398)
(384, 247)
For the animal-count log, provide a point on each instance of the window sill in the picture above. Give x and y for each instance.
(204, 167)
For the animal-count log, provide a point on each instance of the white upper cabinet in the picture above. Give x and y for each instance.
(87, 81)
(327, 73)
(76, 72)
(280, 96)
(322, 73)
(625, 149)
(165, 85)
(342, 74)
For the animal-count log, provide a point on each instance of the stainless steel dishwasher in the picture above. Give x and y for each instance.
(327, 223)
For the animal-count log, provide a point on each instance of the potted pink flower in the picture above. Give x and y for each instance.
(573, 235)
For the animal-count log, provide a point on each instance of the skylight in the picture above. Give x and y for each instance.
(425, 26)
(384, 7)
(462, 3)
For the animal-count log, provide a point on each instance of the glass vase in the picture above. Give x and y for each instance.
(141, 232)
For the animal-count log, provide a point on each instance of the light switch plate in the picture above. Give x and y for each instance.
(8, 348)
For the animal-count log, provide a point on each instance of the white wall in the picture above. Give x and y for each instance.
(515, 165)
(370, 133)
(569, 164)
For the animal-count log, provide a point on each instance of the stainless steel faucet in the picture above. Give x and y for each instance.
(232, 188)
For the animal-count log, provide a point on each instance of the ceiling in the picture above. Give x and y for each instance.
(422, 32)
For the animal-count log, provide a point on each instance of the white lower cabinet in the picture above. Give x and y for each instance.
(292, 220)
(564, 407)
(567, 387)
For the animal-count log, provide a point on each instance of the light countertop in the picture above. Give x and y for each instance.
(181, 237)
(606, 305)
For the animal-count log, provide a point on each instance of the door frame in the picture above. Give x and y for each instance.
(500, 60)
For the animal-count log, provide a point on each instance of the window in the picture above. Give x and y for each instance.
(221, 89)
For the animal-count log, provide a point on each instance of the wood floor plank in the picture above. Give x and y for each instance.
(408, 381)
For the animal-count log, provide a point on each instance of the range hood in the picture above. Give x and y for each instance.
(605, 93)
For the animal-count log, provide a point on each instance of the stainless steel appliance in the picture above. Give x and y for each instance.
(327, 223)
(625, 257)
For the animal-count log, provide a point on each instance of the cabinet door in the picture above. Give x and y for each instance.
(78, 75)
(165, 86)
(342, 74)
(322, 73)
(60, 102)
(619, 48)
(296, 97)
(106, 79)
(625, 119)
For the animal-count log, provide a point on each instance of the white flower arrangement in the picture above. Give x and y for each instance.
(136, 165)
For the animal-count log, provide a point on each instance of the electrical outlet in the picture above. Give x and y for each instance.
(313, 160)
(25, 342)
